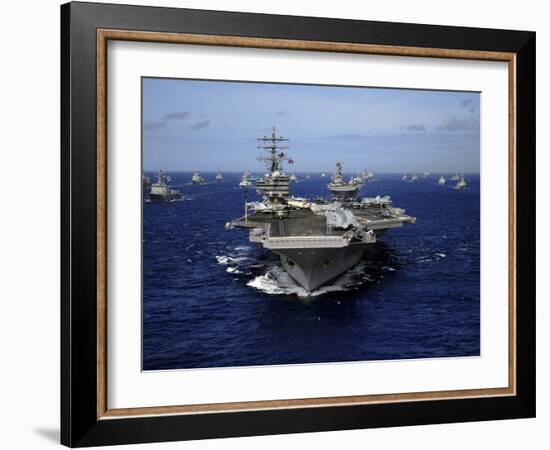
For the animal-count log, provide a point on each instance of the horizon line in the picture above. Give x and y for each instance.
(316, 171)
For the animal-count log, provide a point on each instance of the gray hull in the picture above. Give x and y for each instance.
(164, 198)
(313, 267)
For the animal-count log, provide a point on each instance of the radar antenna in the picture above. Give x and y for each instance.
(275, 155)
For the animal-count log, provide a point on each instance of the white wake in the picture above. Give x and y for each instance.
(277, 281)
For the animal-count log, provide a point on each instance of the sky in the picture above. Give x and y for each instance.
(210, 125)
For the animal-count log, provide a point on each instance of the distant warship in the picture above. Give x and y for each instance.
(316, 240)
(339, 188)
(245, 180)
(145, 181)
(441, 180)
(196, 178)
(367, 176)
(357, 180)
(461, 183)
(161, 192)
(219, 177)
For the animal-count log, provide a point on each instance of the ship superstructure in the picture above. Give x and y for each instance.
(219, 176)
(367, 176)
(245, 180)
(461, 184)
(145, 181)
(274, 185)
(196, 178)
(316, 240)
(161, 191)
(340, 189)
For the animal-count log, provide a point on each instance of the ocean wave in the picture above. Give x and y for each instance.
(226, 260)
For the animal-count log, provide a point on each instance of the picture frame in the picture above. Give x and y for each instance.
(86, 418)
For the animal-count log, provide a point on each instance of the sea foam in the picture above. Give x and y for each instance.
(278, 282)
(226, 260)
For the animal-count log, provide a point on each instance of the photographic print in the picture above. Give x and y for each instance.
(276, 224)
(298, 224)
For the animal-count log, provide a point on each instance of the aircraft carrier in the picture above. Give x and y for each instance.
(316, 240)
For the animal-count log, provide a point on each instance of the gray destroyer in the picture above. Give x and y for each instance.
(316, 240)
(161, 191)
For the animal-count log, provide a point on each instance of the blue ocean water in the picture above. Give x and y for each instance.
(212, 299)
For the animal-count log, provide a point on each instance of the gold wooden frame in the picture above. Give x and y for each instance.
(103, 36)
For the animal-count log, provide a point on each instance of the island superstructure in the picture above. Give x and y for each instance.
(316, 240)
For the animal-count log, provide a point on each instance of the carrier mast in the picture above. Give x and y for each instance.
(274, 185)
(275, 158)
